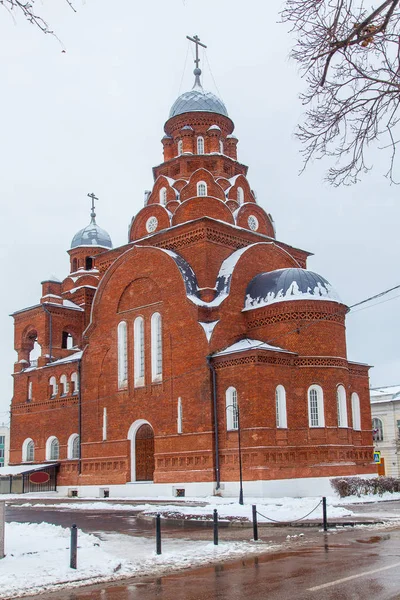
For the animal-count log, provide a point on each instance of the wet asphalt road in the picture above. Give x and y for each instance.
(348, 565)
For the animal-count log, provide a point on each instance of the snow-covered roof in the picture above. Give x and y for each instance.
(283, 285)
(66, 359)
(386, 393)
(19, 469)
(248, 344)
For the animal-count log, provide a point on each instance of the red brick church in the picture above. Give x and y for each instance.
(145, 353)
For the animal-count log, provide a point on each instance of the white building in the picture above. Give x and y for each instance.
(385, 409)
(4, 445)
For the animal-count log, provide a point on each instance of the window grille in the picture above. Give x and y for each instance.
(156, 347)
(138, 343)
(355, 409)
(200, 145)
(201, 188)
(232, 417)
(314, 416)
(122, 356)
(54, 449)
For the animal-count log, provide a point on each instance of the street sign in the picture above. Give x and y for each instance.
(377, 457)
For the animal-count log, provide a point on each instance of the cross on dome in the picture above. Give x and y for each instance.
(197, 72)
(92, 213)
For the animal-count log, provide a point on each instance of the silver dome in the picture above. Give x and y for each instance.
(198, 100)
(92, 235)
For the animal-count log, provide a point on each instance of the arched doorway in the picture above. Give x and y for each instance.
(141, 436)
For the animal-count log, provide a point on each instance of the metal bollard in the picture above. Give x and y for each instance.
(215, 527)
(324, 514)
(255, 524)
(158, 533)
(74, 547)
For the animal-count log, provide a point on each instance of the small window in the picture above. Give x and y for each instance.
(28, 451)
(64, 385)
(67, 342)
(355, 409)
(122, 356)
(180, 147)
(200, 145)
(163, 196)
(341, 406)
(316, 407)
(30, 388)
(138, 351)
(156, 347)
(377, 430)
(231, 407)
(179, 425)
(52, 449)
(201, 188)
(240, 195)
(88, 263)
(75, 382)
(280, 402)
(221, 146)
(53, 387)
(73, 446)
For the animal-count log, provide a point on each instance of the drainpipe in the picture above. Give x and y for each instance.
(214, 395)
(50, 332)
(80, 415)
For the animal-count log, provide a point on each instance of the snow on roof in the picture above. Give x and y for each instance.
(66, 359)
(69, 304)
(208, 328)
(248, 344)
(72, 290)
(19, 469)
(214, 127)
(389, 390)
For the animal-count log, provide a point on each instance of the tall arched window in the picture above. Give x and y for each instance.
(316, 416)
(341, 406)
(163, 196)
(156, 347)
(202, 188)
(231, 407)
(138, 351)
(377, 430)
(280, 403)
(200, 145)
(73, 446)
(64, 385)
(53, 386)
(355, 410)
(52, 448)
(30, 390)
(75, 382)
(180, 147)
(240, 195)
(180, 416)
(122, 356)
(88, 263)
(221, 146)
(28, 450)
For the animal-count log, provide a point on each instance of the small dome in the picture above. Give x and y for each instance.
(92, 235)
(288, 284)
(198, 100)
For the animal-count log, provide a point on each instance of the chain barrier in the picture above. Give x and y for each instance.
(294, 520)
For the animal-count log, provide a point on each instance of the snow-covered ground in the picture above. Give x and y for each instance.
(37, 557)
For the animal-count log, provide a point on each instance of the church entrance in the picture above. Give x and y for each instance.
(144, 453)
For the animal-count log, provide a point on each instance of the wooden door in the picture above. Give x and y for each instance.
(381, 467)
(144, 453)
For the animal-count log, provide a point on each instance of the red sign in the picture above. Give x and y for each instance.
(39, 477)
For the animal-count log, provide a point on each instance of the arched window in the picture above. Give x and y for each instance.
(73, 446)
(377, 430)
(201, 188)
(122, 356)
(75, 382)
(35, 351)
(221, 146)
(138, 351)
(64, 385)
(200, 145)
(156, 347)
(53, 387)
(67, 342)
(30, 389)
(180, 415)
(341, 406)
(180, 147)
(355, 410)
(163, 196)
(28, 450)
(231, 407)
(88, 263)
(52, 448)
(280, 402)
(316, 416)
(240, 195)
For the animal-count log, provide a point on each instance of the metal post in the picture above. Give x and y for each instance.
(2, 527)
(74, 547)
(324, 514)
(255, 524)
(240, 462)
(158, 533)
(215, 527)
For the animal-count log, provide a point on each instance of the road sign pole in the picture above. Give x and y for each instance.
(2, 527)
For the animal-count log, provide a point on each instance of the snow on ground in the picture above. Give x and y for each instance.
(37, 557)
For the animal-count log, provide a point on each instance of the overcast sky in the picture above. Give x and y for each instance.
(91, 119)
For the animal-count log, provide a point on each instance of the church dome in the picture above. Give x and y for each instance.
(284, 285)
(92, 235)
(198, 100)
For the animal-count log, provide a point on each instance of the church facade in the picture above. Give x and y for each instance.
(156, 358)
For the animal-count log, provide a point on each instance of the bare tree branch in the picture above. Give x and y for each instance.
(349, 54)
(27, 9)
